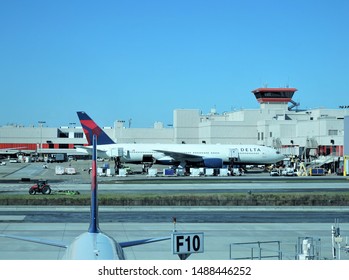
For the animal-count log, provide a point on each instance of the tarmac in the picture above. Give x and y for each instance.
(264, 241)
(25, 172)
(222, 241)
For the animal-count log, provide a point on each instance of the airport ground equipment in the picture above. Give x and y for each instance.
(302, 170)
(41, 186)
(308, 248)
(338, 241)
(275, 172)
(317, 172)
(346, 165)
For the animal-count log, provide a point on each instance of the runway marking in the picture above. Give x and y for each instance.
(7, 218)
(11, 173)
(26, 171)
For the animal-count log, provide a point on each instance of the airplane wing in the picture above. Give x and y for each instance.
(179, 156)
(15, 148)
(88, 150)
(63, 245)
(36, 240)
(142, 242)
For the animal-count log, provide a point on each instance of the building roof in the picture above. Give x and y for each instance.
(274, 90)
(274, 95)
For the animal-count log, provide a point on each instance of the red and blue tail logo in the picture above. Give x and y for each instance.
(90, 128)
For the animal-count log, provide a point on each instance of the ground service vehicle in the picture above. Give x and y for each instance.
(40, 187)
(275, 172)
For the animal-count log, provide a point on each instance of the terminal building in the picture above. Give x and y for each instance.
(278, 122)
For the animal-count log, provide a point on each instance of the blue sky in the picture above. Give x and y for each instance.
(140, 60)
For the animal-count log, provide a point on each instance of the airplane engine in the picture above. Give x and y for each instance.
(213, 162)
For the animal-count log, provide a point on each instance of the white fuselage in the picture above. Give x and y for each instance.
(94, 246)
(163, 153)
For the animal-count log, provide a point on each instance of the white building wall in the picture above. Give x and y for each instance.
(279, 133)
(143, 135)
(158, 134)
(14, 134)
(323, 130)
(186, 125)
(225, 132)
(237, 127)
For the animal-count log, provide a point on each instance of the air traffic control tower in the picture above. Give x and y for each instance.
(268, 97)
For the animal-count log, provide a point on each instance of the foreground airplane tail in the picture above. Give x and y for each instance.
(90, 128)
(94, 226)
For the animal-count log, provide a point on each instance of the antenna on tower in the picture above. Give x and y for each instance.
(288, 82)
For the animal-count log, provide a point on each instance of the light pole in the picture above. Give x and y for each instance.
(41, 123)
(333, 155)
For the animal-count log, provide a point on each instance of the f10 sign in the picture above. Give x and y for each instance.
(187, 243)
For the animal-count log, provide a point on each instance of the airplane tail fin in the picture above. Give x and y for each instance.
(91, 128)
(94, 226)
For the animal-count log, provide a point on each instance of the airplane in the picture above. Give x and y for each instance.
(198, 155)
(93, 244)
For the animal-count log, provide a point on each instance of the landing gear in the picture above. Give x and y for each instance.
(146, 166)
(118, 165)
(234, 169)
